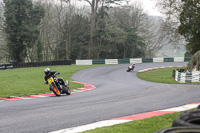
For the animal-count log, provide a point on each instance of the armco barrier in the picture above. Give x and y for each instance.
(135, 60)
(147, 60)
(187, 77)
(34, 64)
(178, 59)
(111, 61)
(132, 60)
(84, 62)
(123, 61)
(158, 60)
(96, 62)
(45, 63)
(168, 59)
(186, 59)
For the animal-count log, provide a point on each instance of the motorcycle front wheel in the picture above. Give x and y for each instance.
(56, 91)
(68, 91)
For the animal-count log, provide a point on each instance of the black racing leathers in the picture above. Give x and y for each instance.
(51, 74)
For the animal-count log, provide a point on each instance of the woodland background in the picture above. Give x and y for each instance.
(45, 30)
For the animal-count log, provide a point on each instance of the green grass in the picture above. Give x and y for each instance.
(30, 81)
(148, 125)
(163, 75)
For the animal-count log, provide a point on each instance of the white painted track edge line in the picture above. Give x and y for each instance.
(91, 126)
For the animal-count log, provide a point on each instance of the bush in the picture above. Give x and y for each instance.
(195, 62)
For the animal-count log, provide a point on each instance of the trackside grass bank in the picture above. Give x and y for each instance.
(30, 81)
(149, 125)
(162, 75)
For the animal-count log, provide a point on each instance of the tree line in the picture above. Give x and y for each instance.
(182, 23)
(43, 30)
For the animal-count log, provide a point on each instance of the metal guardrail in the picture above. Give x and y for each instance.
(187, 77)
(132, 60)
(33, 64)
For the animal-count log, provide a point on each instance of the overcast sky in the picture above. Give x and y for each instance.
(149, 7)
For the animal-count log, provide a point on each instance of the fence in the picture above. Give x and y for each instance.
(187, 77)
(132, 60)
(34, 64)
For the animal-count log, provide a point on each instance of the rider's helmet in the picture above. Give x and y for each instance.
(47, 71)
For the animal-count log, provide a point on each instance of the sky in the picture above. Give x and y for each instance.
(149, 7)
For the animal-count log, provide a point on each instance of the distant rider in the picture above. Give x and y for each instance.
(132, 66)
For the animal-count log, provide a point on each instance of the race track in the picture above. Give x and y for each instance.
(117, 94)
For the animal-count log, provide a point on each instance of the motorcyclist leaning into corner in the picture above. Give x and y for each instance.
(132, 66)
(49, 74)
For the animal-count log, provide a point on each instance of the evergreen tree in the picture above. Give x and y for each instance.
(22, 19)
(75, 38)
(190, 24)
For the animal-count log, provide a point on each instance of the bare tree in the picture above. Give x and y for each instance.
(153, 35)
(130, 17)
(4, 56)
(51, 28)
(148, 28)
(94, 7)
(56, 28)
(171, 10)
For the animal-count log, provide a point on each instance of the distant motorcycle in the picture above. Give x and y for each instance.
(131, 68)
(57, 88)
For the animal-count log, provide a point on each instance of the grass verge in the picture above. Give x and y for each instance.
(163, 75)
(30, 81)
(149, 125)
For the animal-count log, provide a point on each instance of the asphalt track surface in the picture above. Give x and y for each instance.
(118, 93)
